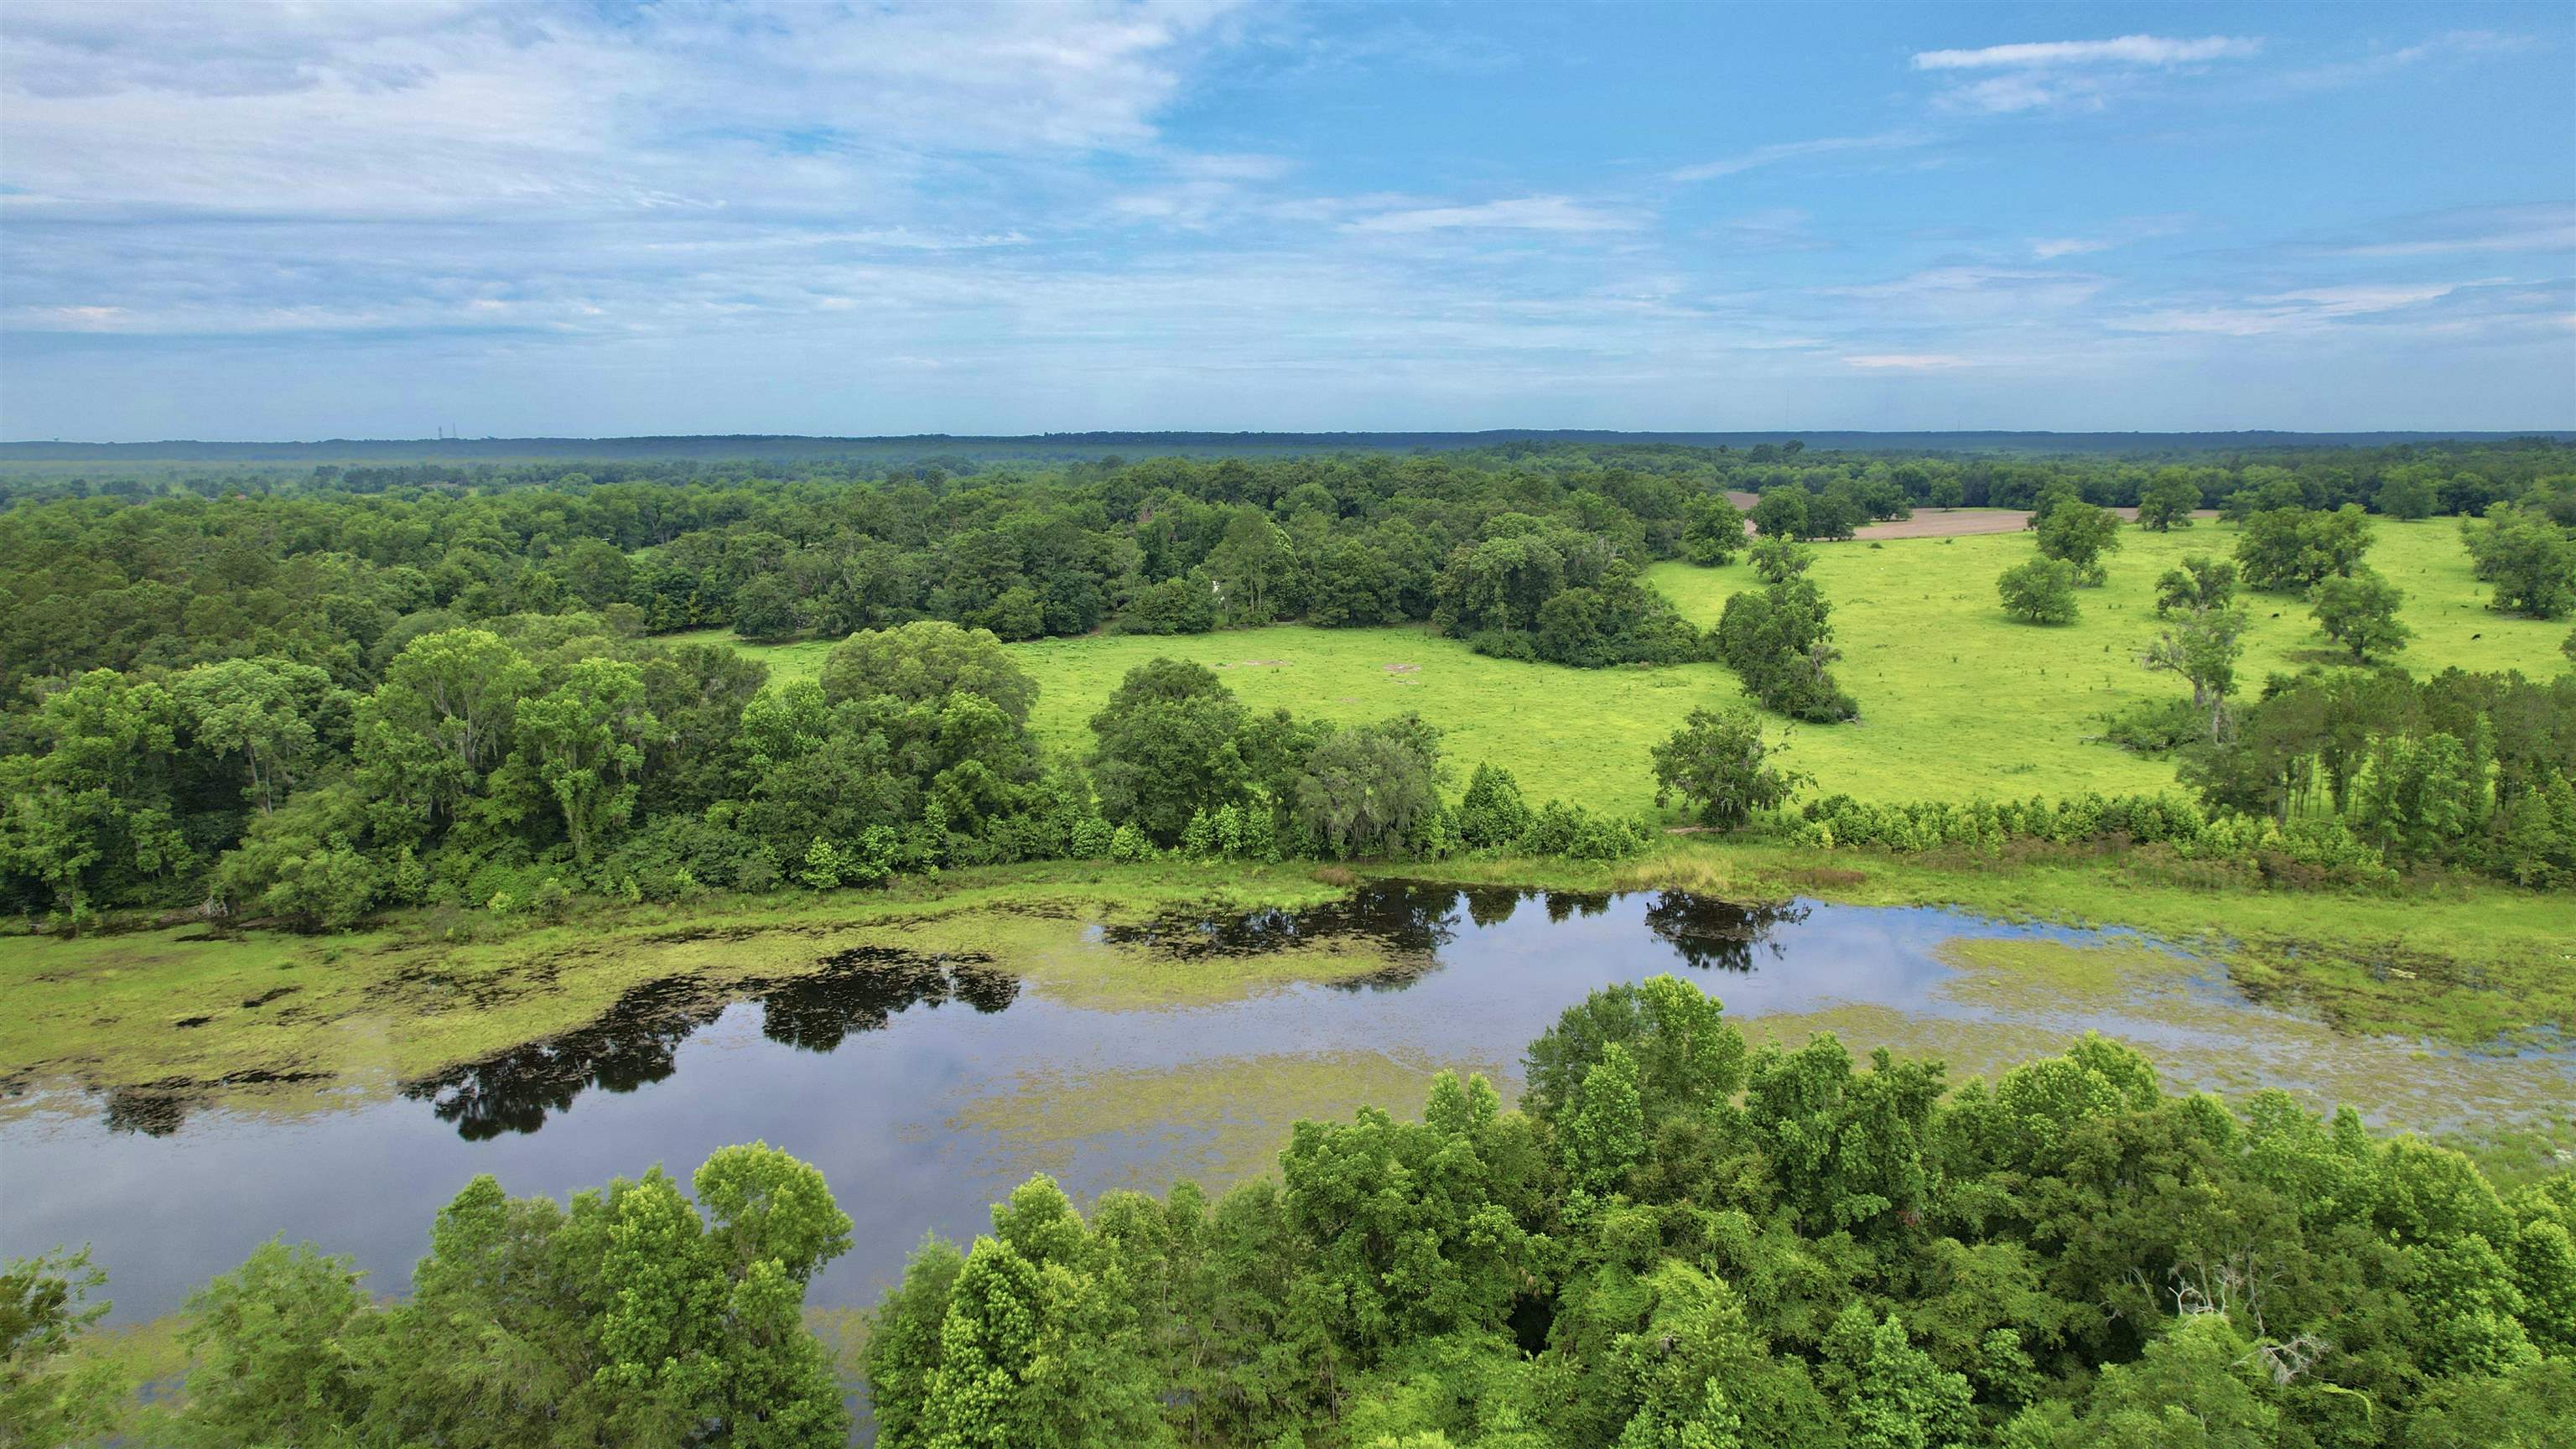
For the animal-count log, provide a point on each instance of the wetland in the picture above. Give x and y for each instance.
(927, 1063)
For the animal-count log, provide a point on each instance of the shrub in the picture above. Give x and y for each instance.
(2157, 726)
(1518, 645)
(1492, 816)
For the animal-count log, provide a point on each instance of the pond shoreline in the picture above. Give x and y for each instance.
(935, 1057)
(202, 1014)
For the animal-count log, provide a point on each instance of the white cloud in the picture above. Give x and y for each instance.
(2542, 227)
(2355, 300)
(1781, 228)
(1527, 213)
(1904, 361)
(2120, 234)
(1957, 294)
(2130, 50)
(476, 107)
(2085, 74)
(2008, 93)
(1795, 151)
(2455, 45)
(2307, 309)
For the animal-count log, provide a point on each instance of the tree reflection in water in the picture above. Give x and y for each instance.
(1714, 934)
(1405, 918)
(637, 1041)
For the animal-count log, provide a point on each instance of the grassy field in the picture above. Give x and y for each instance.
(1581, 735)
(1957, 699)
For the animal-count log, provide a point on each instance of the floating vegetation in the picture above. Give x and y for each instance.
(1216, 1121)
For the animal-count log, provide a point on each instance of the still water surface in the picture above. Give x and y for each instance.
(874, 1070)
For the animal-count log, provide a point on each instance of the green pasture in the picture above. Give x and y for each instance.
(1578, 734)
(1957, 699)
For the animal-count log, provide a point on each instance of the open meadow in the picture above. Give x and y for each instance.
(1958, 700)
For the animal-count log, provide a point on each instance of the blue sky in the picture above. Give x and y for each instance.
(244, 220)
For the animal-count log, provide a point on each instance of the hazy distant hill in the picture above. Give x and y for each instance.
(1059, 446)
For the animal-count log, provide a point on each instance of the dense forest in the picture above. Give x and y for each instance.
(310, 695)
(1679, 1241)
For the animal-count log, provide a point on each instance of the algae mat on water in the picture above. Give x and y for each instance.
(271, 1019)
(1215, 1121)
(2031, 996)
(2007, 1001)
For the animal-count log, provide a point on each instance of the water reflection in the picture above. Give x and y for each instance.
(637, 1041)
(148, 1113)
(1718, 935)
(864, 989)
(878, 1067)
(1563, 906)
(1400, 917)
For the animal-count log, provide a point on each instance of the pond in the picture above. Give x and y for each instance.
(924, 1086)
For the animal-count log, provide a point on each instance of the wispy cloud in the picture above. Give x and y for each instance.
(2302, 310)
(2034, 75)
(2540, 227)
(1957, 293)
(1904, 361)
(1778, 152)
(1525, 213)
(2378, 64)
(2058, 54)
(1781, 228)
(2049, 249)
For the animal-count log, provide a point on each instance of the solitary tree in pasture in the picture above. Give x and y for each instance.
(2203, 647)
(2081, 534)
(2042, 591)
(2360, 613)
(2527, 556)
(2199, 582)
(1782, 513)
(1776, 559)
(2290, 549)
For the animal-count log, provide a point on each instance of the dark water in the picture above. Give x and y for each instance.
(860, 1068)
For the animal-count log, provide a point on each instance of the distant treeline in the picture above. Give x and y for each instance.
(338, 566)
(361, 686)
(1065, 447)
